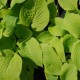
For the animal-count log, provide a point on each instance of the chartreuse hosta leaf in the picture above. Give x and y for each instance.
(10, 65)
(13, 2)
(68, 72)
(9, 23)
(7, 42)
(51, 61)
(50, 77)
(75, 54)
(31, 49)
(72, 24)
(68, 4)
(58, 29)
(52, 9)
(3, 12)
(45, 37)
(3, 3)
(22, 32)
(58, 45)
(35, 13)
(68, 41)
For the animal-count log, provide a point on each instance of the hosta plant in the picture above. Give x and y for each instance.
(34, 34)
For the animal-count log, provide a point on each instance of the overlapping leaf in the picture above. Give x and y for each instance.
(68, 4)
(58, 45)
(9, 23)
(45, 37)
(51, 60)
(31, 49)
(3, 3)
(10, 65)
(35, 13)
(68, 72)
(72, 24)
(75, 54)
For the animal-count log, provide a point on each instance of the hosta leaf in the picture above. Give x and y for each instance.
(3, 12)
(7, 42)
(52, 9)
(10, 65)
(44, 37)
(3, 3)
(75, 54)
(68, 72)
(58, 29)
(51, 60)
(68, 41)
(31, 49)
(68, 4)
(27, 72)
(22, 32)
(58, 45)
(9, 23)
(35, 13)
(72, 24)
(13, 2)
(50, 77)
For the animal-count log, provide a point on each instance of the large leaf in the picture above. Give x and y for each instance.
(68, 4)
(75, 54)
(58, 45)
(68, 72)
(35, 13)
(31, 49)
(51, 60)
(9, 23)
(72, 24)
(10, 65)
(3, 3)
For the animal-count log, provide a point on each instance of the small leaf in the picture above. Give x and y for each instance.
(9, 23)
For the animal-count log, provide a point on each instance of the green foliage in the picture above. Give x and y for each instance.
(33, 34)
